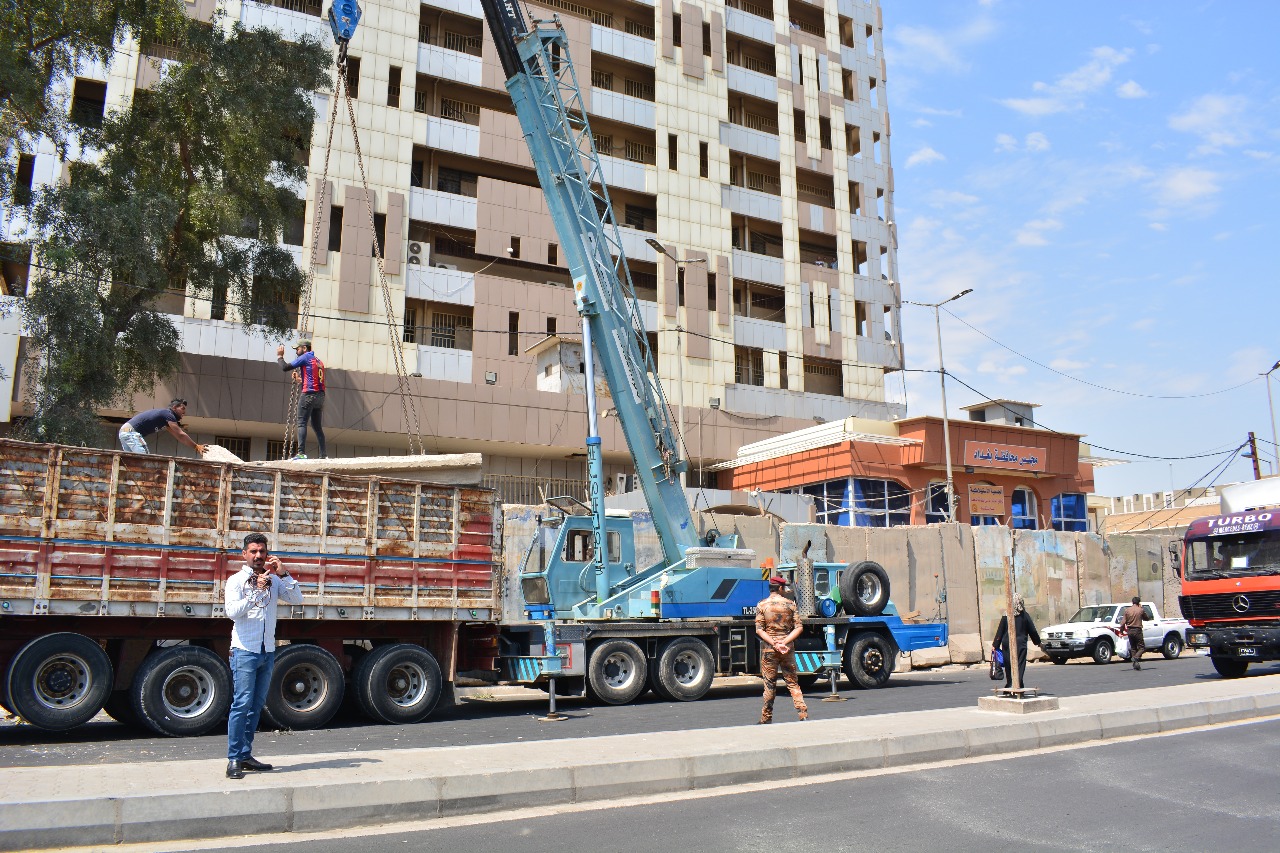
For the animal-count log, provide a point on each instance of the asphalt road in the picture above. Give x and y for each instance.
(1213, 789)
(479, 721)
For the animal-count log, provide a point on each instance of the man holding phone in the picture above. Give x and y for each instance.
(251, 597)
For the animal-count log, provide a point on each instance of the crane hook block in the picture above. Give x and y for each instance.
(344, 15)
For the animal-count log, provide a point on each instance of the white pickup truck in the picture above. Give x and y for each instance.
(1097, 631)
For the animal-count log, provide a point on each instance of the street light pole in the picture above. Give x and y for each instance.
(1275, 443)
(942, 378)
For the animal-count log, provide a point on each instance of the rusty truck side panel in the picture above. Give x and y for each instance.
(104, 533)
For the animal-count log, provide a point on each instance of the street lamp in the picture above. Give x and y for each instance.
(1275, 447)
(942, 377)
(662, 250)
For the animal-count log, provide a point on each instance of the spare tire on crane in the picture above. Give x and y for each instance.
(864, 589)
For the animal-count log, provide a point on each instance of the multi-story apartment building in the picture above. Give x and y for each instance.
(749, 140)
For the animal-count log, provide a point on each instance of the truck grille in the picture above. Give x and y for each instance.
(1229, 605)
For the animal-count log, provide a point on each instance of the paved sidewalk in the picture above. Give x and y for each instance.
(104, 804)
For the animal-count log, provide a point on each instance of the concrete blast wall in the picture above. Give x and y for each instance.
(941, 571)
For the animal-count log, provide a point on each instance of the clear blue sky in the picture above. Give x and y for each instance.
(1106, 177)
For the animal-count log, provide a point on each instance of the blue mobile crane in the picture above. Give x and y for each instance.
(597, 617)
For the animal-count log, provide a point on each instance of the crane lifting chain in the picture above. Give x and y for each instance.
(344, 15)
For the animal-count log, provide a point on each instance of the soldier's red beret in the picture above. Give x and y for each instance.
(777, 580)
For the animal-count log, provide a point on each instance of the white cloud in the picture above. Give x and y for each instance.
(1186, 185)
(1130, 89)
(1067, 365)
(924, 156)
(921, 122)
(929, 50)
(1158, 226)
(951, 198)
(1037, 141)
(1143, 324)
(1258, 155)
(1005, 142)
(936, 111)
(1033, 233)
(1221, 121)
(1068, 91)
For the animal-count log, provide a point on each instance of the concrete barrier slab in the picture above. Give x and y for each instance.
(657, 775)
(714, 770)
(470, 793)
(1230, 709)
(839, 756)
(1064, 730)
(168, 817)
(58, 823)
(1183, 716)
(1007, 737)
(924, 747)
(1128, 722)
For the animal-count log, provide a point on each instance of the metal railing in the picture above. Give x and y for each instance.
(462, 111)
(639, 28)
(638, 89)
(754, 121)
(639, 152)
(761, 66)
(306, 7)
(604, 19)
(462, 43)
(751, 8)
(602, 79)
(816, 195)
(514, 489)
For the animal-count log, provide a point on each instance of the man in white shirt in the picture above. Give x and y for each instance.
(251, 597)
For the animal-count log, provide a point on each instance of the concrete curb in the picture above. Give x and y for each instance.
(130, 803)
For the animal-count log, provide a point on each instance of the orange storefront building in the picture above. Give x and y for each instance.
(875, 474)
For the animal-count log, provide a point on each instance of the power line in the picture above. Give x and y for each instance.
(1094, 384)
(1215, 472)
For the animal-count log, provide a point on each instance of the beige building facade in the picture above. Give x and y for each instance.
(750, 139)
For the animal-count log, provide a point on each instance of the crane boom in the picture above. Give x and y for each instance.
(549, 105)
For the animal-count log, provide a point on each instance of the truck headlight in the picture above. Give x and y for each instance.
(1197, 638)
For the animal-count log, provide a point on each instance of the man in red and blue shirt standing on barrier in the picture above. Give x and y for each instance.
(311, 402)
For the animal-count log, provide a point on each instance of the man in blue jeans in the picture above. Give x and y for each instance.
(251, 597)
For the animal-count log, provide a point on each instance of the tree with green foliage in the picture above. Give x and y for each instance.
(43, 42)
(189, 197)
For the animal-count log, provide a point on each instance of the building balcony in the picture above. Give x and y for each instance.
(448, 135)
(628, 46)
(762, 268)
(623, 108)
(752, 83)
(449, 64)
(626, 174)
(797, 404)
(292, 20)
(757, 143)
(759, 334)
(470, 8)
(439, 284)
(753, 203)
(443, 208)
(633, 243)
(848, 56)
(444, 363)
(751, 20)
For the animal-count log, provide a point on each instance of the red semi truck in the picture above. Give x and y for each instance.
(1230, 568)
(111, 588)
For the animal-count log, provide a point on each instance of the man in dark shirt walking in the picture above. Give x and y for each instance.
(1133, 625)
(311, 403)
(133, 434)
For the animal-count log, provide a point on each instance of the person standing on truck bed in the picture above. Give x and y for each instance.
(1026, 630)
(311, 403)
(1133, 615)
(133, 433)
(251, 597)
(778, 623)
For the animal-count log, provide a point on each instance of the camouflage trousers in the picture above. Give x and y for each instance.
(1137, 646)
(770, 663)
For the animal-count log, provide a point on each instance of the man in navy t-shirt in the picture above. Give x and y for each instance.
(310, 375)
(132, 435)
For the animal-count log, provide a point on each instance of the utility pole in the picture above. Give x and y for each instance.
(1253, 453)
(1275, 442)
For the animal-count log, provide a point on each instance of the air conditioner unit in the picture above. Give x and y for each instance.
(414, 259)
(415, 248)
(440, 266)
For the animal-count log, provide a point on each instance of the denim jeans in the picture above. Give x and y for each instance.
(131, 442)
(250, 676)
(310, 407)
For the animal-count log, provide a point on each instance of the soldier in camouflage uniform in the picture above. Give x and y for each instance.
(778, 623)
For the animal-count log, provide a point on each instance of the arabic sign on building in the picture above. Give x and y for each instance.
(986, 499)
(984, 454)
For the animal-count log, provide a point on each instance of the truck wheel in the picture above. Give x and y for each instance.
(1103, 651)
(58, 681)
(616, 672)
(1058, 660)
(306, 688)
(1229, 667)
(683, 671)
(1172, 646)
(119, 707)
(398, 684)
(864, 589)
(868, 660)
(181, 691)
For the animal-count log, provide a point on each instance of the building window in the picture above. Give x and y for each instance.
(1022, 510)
(278, 449)
(353, 76)
(782, 370)
(860, 502)
(513, 333)
(675, 30)
(88, 102)
(704, 160)
(1068, 512)
(831, 501)
(237, 445)
(295, 222)
(671, 146)
(553, 254)
(551, 326)
(335, 229)
(748, 366)
(935, 507)
(24, 179)
(823, 376)
(393, 86)
(514, 249)
(380, 232)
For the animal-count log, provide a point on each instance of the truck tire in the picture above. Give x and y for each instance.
(1172, 646)
(398, 684)
(1229, 667)
(864, 589)
(1058, 660)
(58, 681)
(683, 671)
(868, 660)
(181, 691)
(1103, 650)
(616, 672)
(306, 688)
